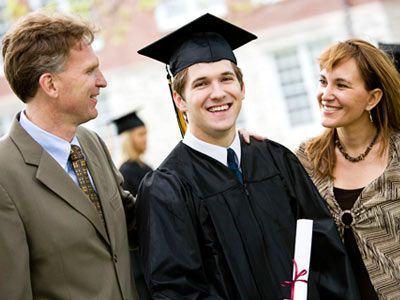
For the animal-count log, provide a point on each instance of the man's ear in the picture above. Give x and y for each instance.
(47, 83)
(243, 91)
(179, 102)
(375, 97)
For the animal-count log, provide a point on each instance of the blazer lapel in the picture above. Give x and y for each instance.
(50, 173)
(56, 179)
(103, 184)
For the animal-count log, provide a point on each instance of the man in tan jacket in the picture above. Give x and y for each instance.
(63, 230)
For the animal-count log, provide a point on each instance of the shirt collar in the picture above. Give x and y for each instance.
(217, 152)
(58, 148)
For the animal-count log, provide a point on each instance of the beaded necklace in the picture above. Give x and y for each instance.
(361, 156)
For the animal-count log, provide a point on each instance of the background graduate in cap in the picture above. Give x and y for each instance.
(217, 219)
(134, 142)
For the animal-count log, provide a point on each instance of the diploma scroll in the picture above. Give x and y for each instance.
(301, 262)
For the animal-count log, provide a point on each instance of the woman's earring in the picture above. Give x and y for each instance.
(370, 117)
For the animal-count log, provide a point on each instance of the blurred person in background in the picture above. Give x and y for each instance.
(63, 229)
(134, 143)
(355, 162)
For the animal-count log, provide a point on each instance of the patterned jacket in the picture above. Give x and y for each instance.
(376, 224)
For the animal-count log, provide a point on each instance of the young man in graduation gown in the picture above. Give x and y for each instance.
(217, 219)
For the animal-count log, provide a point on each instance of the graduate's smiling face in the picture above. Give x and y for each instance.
(212, 99)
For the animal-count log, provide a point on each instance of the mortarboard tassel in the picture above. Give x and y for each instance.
(179, 115)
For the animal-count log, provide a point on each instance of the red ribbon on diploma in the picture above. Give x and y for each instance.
(296, 278)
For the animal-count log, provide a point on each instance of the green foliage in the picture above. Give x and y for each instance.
(114, 17)
(242, 7)
(147, 4)
(81, 7)
(13, 10)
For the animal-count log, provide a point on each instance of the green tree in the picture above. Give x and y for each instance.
(113, 16)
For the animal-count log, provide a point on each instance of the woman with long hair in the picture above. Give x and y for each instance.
(355, 162)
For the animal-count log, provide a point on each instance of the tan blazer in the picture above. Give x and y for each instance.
(53, 245)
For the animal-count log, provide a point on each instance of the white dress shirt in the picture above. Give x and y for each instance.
(217, 152)
(57, 148)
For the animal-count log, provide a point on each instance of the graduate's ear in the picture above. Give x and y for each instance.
(47, 83)
(179, 102)
(243, 91)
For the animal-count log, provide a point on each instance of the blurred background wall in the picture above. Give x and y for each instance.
(280, 67)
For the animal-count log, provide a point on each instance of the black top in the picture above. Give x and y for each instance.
(346, 199)
(204, 235)
(133, 172)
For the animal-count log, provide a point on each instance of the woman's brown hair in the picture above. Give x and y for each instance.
(377, 71)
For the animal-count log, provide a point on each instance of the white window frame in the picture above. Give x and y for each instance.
(306, 56)
(293, 87)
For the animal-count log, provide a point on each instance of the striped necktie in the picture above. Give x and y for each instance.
(80, 168)
(232, 164)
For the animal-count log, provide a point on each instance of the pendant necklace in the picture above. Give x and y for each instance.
(361, 156)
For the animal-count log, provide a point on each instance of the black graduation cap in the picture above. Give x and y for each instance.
(206, 39)
(128, 121)
(393, 50)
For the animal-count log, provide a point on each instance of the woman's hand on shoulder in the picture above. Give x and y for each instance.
(247, 134)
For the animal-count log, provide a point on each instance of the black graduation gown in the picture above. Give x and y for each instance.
(133, 172)
(203, 235)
